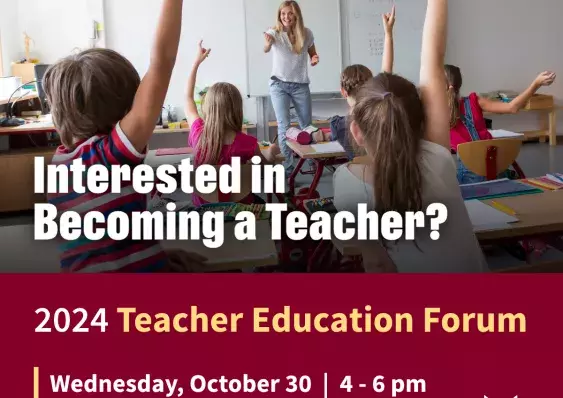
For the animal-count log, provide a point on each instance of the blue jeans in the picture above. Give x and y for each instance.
(283, 94)
(465, 176)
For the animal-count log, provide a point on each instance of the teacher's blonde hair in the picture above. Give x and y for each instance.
(297, 33)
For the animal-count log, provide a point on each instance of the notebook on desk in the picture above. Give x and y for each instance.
(496, 189)
(552, 182)
(173, 151)
(497, 134)
(329, 147)
(486, 218)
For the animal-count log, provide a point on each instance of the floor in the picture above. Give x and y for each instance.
(536, 159)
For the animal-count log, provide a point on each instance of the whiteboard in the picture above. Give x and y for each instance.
(366, 35)
(322, 17)
(131, 26)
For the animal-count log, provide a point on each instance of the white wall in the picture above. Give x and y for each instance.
(57, 27)
(503, 45)
(131, 24)
(9, 32)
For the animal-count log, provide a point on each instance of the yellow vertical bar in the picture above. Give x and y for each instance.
(36, 382)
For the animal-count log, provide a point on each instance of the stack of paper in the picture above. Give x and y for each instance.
(329, 147)
(505, 134)
(556, 177)
(486, 218)
(552, 182)
(496, 189)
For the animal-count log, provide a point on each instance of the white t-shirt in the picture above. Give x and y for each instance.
(288, 66)
(457, 250)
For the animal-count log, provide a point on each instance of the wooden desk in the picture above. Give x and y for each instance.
(322, 122)
(156, 161)
(27, 97)
(45, 125)
(547, 119)
(36, 127)
(321, 160)
(539, 214)
(235, 254)
(308, 152)
(21, 253)
(17, 174)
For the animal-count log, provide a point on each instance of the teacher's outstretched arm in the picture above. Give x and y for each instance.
(269, 42)
(314, 56)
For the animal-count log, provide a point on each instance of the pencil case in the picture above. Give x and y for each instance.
(299, 136)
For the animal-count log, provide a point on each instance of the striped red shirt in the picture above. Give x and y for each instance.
(106, 255)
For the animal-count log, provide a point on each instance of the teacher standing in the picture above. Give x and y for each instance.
(292, 45)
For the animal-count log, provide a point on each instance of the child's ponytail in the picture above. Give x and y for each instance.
(453, 76)
(390, 116)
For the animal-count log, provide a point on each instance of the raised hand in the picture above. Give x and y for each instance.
(314, 60)
(545, 78)
(389, 21)
(269, 39)
(202, 53)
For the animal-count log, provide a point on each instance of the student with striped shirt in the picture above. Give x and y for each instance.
(106, 115)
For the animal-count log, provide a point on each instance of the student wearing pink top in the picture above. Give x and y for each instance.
(218, 136)
(467, 122)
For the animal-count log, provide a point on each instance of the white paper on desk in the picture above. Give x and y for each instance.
(156, 161)
(329, 147)
(505, 134)
(485, 218)
(552, 177)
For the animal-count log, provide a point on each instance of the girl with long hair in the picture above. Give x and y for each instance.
(405, 132)
(467, 122)
(217, 136)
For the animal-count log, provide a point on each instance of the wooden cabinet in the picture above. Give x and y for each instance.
(17, 179)
(546, 110)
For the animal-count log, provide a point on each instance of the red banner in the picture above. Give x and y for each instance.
(323, 336)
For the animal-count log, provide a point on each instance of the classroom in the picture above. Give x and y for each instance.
(439, 113)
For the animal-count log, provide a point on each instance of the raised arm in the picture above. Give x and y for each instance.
(138, 125)
(389, 49)
(544, 79)
(311, 49)
(191, 108)
(314, 56)
(433, 85)
(268, 41)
